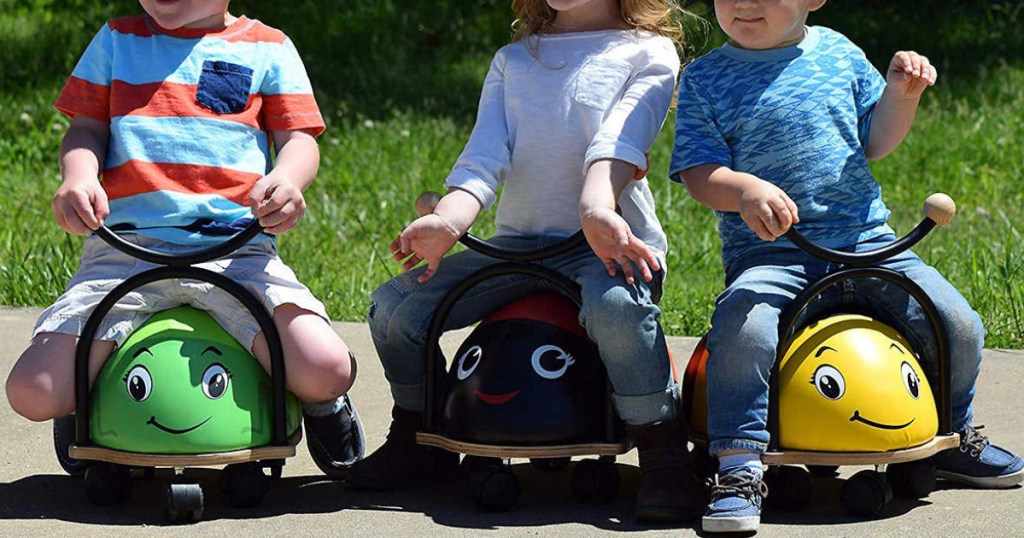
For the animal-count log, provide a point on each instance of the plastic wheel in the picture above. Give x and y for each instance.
(184, 503)
(244, 484)
(550, 464)
(913, 479)
(866, 493)
(789, 487)
(824, 471)
(107, 484)
(495, 489)
(595, 481)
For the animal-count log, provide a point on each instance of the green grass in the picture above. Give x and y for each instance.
(398, 81)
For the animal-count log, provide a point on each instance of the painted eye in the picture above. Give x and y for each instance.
(140, 383)
(469, 361)
(551, 362)
(910, 379)
(829, 382)
(215, 381)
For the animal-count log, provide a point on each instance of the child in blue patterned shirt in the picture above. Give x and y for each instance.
(776, 128)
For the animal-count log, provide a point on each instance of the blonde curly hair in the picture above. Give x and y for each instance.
(661, 17)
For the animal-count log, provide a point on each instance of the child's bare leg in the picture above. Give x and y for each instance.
(319, 365)
(41, 386)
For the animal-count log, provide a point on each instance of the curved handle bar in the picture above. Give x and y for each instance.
(181, 260)
(939, 210)
(426, 202)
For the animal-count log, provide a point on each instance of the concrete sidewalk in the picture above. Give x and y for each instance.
(36, 499)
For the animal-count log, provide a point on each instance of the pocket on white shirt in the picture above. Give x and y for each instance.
(599, 81)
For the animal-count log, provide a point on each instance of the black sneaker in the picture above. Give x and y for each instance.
(400, 462)
(63, 438)
(335, 441)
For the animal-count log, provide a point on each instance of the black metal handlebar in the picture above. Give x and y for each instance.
(184, 259)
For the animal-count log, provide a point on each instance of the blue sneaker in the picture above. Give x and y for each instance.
(736, 498)
(979, 463)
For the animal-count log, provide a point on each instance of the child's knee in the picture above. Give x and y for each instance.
(32, 395)
(325, 375)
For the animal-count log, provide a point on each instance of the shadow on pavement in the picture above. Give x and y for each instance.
(546, 500)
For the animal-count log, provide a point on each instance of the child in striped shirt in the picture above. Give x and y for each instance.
(176, 110)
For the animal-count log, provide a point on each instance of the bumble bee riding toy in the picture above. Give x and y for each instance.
(847, 389)
(526, 383)
(180, 392)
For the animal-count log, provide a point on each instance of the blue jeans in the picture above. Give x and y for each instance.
(744, 334)
(621, 319)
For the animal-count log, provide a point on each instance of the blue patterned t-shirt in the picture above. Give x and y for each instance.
(797, 117)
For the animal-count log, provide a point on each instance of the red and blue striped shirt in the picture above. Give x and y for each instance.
(190, 112)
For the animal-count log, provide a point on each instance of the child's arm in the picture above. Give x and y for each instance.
(766, 209)
(606, 231)
(431, 236)
(80, 204)
(277, 199)
(908, 76)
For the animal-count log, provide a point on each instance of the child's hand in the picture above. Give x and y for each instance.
(428, 238)
(910, 73)
(767, 210)
(614, 243)
(277, 203)
(80, 206)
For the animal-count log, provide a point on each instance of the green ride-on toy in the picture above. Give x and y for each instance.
(181, 392)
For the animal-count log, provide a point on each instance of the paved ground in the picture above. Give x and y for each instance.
(37, 500)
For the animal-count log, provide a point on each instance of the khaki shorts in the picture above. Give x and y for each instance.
(255, 266)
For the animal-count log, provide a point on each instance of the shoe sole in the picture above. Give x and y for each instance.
(731, 524)
(984, 482)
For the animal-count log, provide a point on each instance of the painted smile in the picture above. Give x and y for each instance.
(152, 420)
(856, 416)
(495, 398)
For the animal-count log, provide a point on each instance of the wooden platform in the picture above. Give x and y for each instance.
(937, 444)
(136, 459)
(495, 451)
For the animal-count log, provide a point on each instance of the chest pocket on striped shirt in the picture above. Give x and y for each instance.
(599, 81)
(224, 87)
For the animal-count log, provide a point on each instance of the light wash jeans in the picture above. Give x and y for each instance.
(744, 334)
(622, 319)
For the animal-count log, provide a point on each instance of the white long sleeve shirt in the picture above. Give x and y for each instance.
(546, 114)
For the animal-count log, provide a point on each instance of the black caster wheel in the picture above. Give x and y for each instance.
(276, 468)
(494, 488)
(107, 484)
(595, 481)
(184, 503)
(913, 479)
(824, 471)
(866, 493)
(550, 464)
(789, 487)
(244, 484)
(472, 464)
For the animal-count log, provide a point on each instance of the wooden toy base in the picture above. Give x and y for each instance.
(494, 451)
(937, 444)
(136, 459)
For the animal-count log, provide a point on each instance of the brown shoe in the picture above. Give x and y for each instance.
(669, 490)
(401, 463)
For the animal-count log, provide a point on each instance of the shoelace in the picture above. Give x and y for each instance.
(973, 441)
(740, 484)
